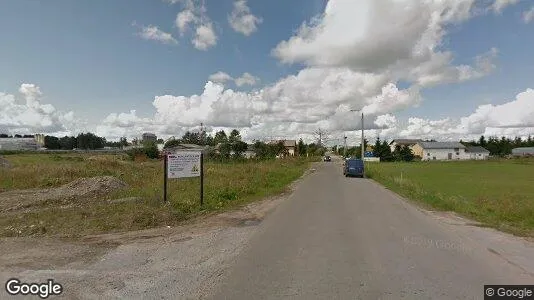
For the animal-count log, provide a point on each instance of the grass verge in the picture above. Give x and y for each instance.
(226, 185)
(499, 194)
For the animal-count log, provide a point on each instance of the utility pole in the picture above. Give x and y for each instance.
(202, 133)
(345, 147)
(363, 140)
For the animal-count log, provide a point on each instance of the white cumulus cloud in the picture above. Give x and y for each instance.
(245, 79)
(528, 16)
(353, 34)
(242, 20)
(499, 5)
(194, 16)
(155, 34)
(31, 116)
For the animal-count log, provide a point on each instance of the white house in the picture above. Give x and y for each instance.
(477, 152)
(440, 151)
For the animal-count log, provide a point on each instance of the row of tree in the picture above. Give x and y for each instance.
(380, 149)
(4, 135)
(223, 145)
(82, 141)
(501, 146)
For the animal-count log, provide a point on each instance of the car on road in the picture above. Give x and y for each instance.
(327, 158)
(353, 167)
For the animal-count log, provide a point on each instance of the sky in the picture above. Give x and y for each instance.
(441, 69)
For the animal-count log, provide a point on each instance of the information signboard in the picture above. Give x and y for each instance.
(183, 164)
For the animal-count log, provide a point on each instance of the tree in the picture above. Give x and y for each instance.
(386, 154)
(261, 150)
(239, 148)
(67, 142)
(51, 143)
(407, 154)
(190, 138)
(403, 153)
(124, 142)
(225, 149)
(220, 137)
(90, 141)
(151, 149)
(235, 136)
(18, 135)
(301, 147)
(482, 141)
(171, 143)
(159, 141)
(3, 135)
(209, 140)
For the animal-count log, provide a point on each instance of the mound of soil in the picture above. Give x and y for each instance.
(4, 163)
(83, 189)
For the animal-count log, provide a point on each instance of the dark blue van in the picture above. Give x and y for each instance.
(353, 167)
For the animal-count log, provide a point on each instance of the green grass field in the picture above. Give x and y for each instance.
(498, 193)
(226, 185)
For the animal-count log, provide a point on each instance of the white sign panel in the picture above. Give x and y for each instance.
(183, 164)
(373, 159)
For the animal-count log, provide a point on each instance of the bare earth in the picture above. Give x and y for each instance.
(83, 189)
(331, 238)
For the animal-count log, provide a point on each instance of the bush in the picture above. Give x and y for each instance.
(149, 150)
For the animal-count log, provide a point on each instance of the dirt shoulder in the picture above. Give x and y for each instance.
(99, 266)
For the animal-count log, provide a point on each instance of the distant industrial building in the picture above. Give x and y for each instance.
(523, 151)
(19, 144)
(149, 137)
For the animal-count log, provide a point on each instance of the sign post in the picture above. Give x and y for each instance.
(165, 179)
(201, 179)
(183, 164)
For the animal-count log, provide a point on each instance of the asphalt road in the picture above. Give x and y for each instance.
(349, 238)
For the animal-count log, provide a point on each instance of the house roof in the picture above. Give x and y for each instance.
(290, 143)
(523, 150)
(441, 145)
(406, 141)
(287, 143)
(186, 147)
(476, 149)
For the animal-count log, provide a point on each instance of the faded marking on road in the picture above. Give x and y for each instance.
(436, 244)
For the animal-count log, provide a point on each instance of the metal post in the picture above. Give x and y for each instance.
(165, 178)
(363, 140)
(345, 148)
(201, 179)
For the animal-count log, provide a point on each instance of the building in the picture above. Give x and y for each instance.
(149, 137)
(40, 139)
(440, 151)
(477, 152)
(523, 151)
(403, 142)
(290, 145)
(249, 153)
(18, 144)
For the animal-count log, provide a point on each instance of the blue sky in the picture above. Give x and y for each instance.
(88, 57)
